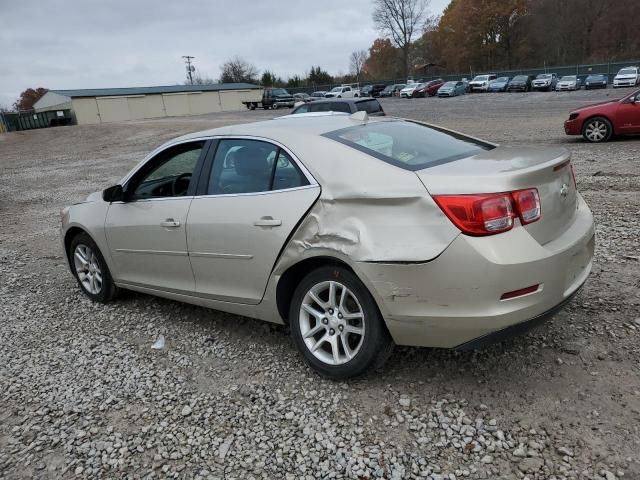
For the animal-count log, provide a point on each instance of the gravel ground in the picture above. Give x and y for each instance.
(82, 394)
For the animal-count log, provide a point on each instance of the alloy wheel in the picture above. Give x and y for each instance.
(596, 131)
(332, 322)
(88, 268)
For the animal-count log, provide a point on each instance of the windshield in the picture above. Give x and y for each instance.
(449, 84)
(336, 89)
(569, 78)
(502, 79)
(481, 78)
(595, 77)
(408, 145)
(544, 76)
(627, 71)
(279, 91)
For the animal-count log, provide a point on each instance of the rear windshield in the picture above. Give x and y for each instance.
(407, 144)
(369, 106)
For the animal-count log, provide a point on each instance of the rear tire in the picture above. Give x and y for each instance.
(90, 269)
(597, 130)
(336, 324)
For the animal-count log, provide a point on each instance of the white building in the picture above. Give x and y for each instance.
(105, 105)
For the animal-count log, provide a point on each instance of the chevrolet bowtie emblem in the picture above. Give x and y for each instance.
(564, 190)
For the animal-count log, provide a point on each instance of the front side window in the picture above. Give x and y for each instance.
(408, 145)
(301, 109)
(168, 174)
(252, 166)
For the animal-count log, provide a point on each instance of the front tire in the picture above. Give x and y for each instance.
(91, 270)
(336, 324)
(597, 130)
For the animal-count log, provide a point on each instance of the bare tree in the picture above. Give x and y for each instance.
(356, 62)
(201, 80)
(238, 70)
(401, 20)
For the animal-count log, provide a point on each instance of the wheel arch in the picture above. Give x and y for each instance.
(294, 274)
(597, 115)
(69, 235)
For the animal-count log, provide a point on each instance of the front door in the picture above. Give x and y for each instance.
(146, 233)
(628, 115)
(255, 197)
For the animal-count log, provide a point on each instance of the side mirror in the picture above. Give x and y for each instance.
(113, 194)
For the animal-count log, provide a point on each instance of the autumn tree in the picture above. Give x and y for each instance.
(28, 98)
(383, 61)
(238, 70)
(402, 21)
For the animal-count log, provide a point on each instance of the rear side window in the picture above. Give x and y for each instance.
(252, 166)
(330, 107)
(408, 145)
(369, 106)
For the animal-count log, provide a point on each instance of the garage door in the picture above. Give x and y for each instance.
(176, 104)
(113, 109)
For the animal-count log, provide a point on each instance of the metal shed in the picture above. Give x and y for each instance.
(104, 105)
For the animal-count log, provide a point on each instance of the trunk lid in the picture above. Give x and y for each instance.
(505, 169)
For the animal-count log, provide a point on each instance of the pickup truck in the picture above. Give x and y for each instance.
(344, 91)
(272, 98)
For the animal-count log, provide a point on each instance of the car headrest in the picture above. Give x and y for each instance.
(251, 161)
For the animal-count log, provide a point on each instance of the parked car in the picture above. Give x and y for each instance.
(272, 98)
(397, 88)
(345, 105)
(452, 89)
(407, 92)
(520, 83)
(500, 84)
(233, 219)
(386, 91)
(372, 90)
(545, 81)
(480, 83)
(343, 91)
(302, 97)
(318, 94)
(601, 121)
(596, 81)
(429, 88)
(627, 77)
(568, 82)
(467, 86)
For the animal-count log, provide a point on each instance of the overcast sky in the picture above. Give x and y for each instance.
(121, 43)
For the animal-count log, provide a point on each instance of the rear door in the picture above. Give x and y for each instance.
(253, 195)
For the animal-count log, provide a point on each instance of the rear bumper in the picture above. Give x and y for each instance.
(455, 298)
(517, 329)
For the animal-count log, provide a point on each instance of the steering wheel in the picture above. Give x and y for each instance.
(174, 185)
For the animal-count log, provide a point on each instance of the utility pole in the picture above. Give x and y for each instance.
(190, 68)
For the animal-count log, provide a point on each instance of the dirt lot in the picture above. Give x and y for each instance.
(83, 395)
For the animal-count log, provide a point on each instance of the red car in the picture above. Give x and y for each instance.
(599, 122)
(429, 88)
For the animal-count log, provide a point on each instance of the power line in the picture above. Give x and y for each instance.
(190, 68)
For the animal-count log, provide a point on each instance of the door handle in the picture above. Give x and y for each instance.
(170, 223)
(267, 222)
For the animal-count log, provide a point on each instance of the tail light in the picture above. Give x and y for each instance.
(488, 214)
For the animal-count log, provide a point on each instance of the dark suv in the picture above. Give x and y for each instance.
(372, 90)
(344, 105)
(520, 83)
